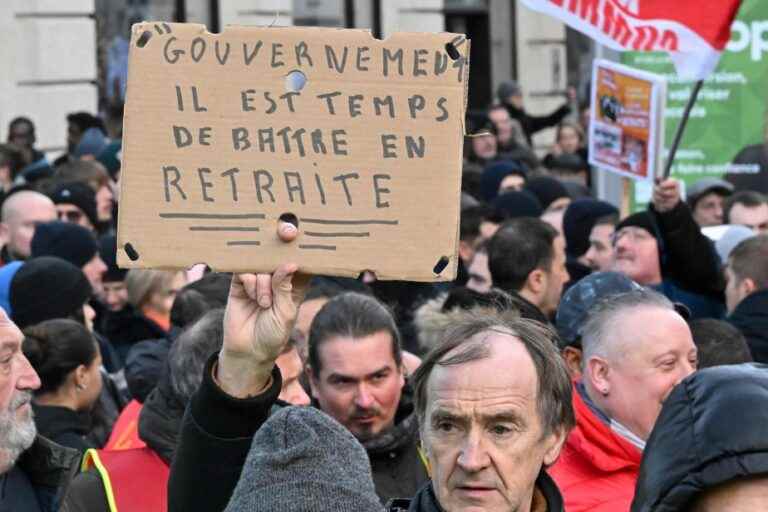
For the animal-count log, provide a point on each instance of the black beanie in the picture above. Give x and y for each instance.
(639, 220)
(515, 204)
(78, 194)
(579, 219)
(546, 189)
(64, 240)
(46, 288)
(108, 253)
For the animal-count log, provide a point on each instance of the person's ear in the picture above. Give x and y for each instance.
(747, 286)
(597, 371)
(537, 281)
(572, 357)
(553, 446)
(312, 378)
(82, 377)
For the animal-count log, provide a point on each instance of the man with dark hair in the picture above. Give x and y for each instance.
(706, 199)
(719, 343)
(746, 294)
(475, 227)
(21, 133)
(748, 208)
(636, 348)
(526, 258)
(599, 255)
(488, 433)
(356, 374)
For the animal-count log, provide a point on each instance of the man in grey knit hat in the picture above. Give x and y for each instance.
(300, 460)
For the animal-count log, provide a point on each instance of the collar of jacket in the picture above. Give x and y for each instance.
(50, 468)
(546, 498)
(753, 305)
(597, 443)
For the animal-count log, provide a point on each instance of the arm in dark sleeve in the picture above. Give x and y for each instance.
(538, 123)
(214, 441)
(690, 257)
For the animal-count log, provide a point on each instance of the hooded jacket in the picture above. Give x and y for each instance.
(597, 468)
(751, 318)
(711, 430)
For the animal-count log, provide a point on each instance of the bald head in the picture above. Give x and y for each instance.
(21, 213)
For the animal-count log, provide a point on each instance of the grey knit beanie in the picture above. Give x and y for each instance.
(301, 460)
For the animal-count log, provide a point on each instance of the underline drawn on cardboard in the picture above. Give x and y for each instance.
(243, 242)
(318, 247)
(212, 216)
(338, 235)
(362, 145)
(224, 228)
(345, 222)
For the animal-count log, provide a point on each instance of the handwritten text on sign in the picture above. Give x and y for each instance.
(360, 139)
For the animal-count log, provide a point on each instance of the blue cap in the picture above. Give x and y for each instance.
(581, 297)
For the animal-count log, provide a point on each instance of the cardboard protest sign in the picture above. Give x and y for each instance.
(626, 132)
(359, 139)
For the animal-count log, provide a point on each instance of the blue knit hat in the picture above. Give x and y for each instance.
(6, 276)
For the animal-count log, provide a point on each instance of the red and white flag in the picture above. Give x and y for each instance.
(694, 32)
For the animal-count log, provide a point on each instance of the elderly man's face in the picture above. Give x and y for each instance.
(17, 381)
(637, 255)
(709, 210)
(482, 431)
(651, 351)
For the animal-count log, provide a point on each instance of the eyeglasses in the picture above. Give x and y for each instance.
(633, 234)
(73, 216)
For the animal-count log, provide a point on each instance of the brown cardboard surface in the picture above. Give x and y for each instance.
(215, 150)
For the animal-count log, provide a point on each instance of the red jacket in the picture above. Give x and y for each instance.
(125, 433)
(597, 469)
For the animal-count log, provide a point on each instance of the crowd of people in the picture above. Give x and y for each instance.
(584, 359)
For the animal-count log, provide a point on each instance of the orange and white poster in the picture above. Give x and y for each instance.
(625, 133)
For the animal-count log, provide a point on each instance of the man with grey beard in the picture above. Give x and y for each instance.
(34, 472)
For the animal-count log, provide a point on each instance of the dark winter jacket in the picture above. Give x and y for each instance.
(546, 498)
(751, 318)
(63, 426)
(159, 425)
(128, 326)
(47, 469)
(395, 463)
(690, 265)
(532, 124)
(711, 430)
(216, 435)
(146, 362)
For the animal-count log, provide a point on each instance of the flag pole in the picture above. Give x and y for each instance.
(681, 127)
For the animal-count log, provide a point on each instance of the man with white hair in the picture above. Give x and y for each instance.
(34, 472)
(21, 213)
(636, 349)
